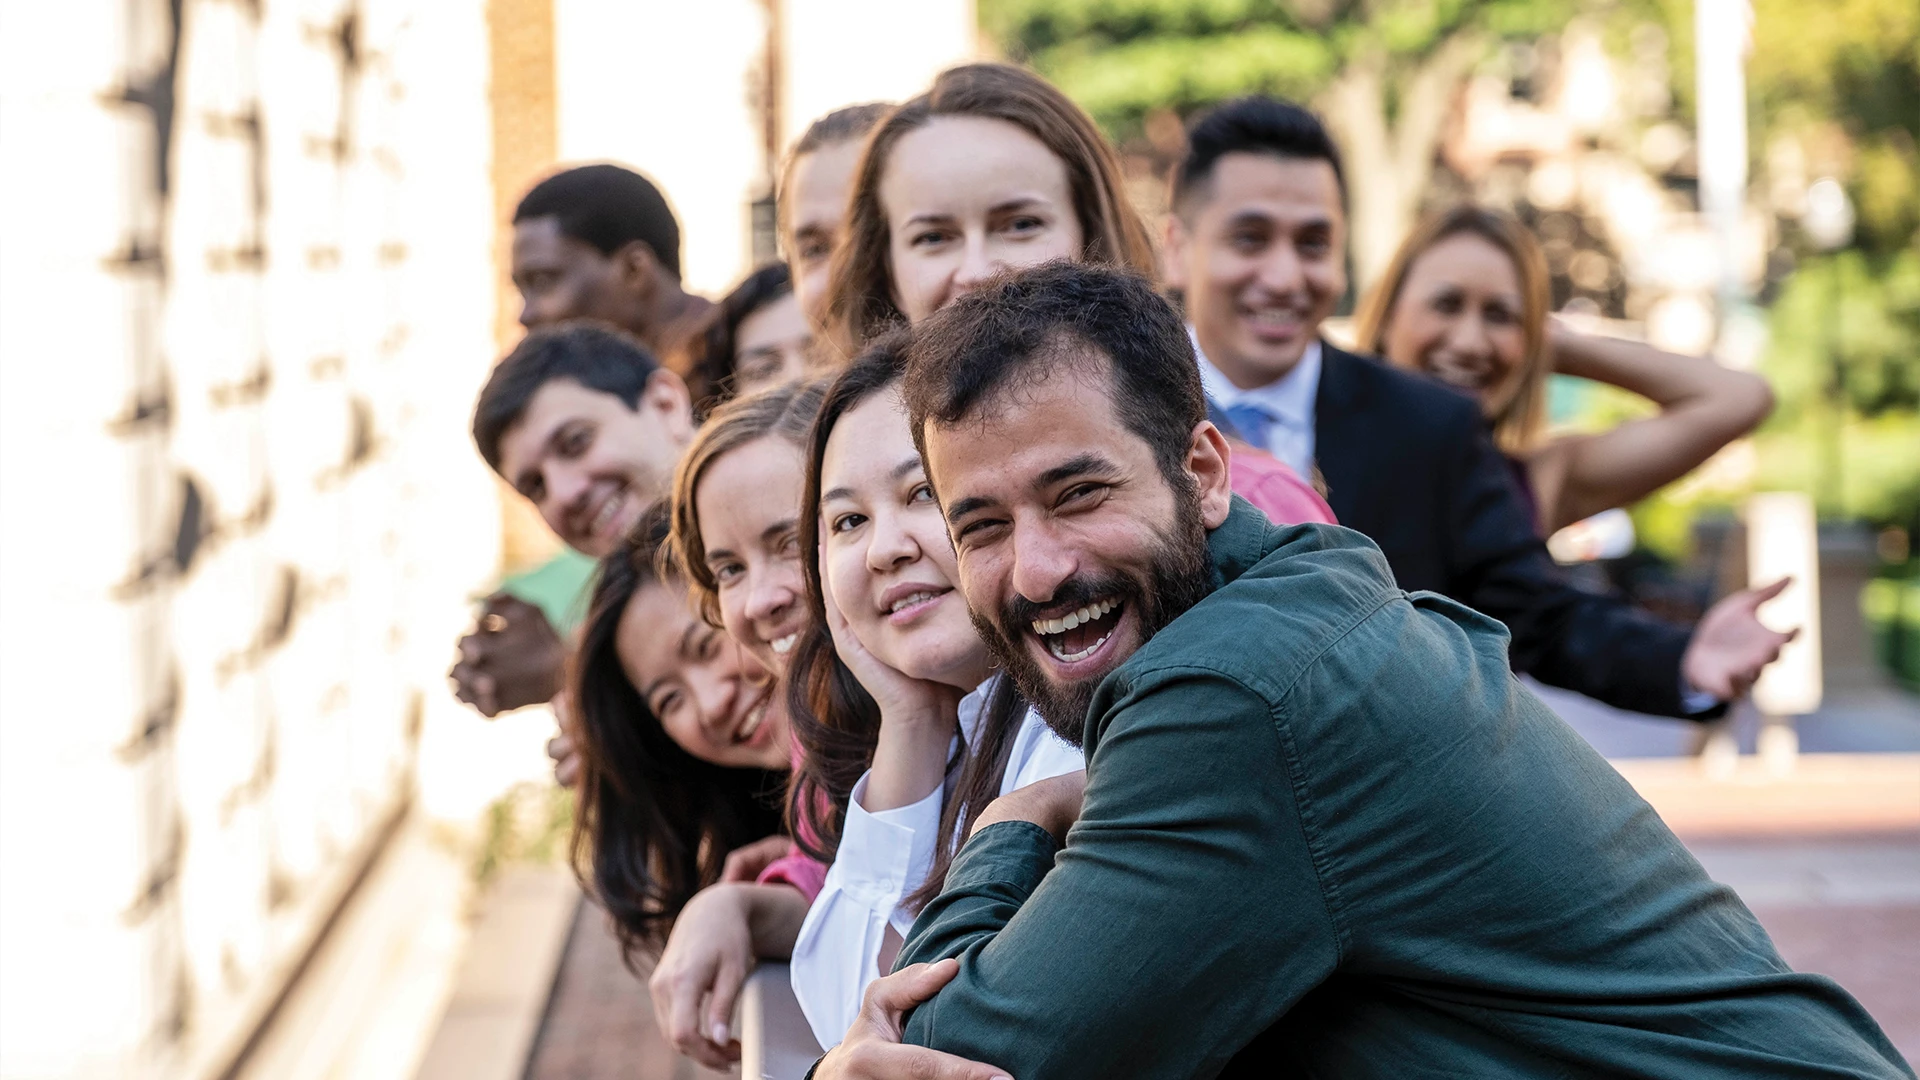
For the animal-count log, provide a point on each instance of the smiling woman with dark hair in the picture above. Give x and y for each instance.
(753, 338)
(669, 788)
(906, 735)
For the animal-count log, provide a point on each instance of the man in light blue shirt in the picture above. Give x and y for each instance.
(1256, 244)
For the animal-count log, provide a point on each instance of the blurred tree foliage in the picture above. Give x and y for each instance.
(1843, 78)
(1382, 73)
(1835, 81)
(1840, 81)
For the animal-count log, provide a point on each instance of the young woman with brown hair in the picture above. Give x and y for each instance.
(1466, 299)
(992, 168)
(734, 537)
(684, 755)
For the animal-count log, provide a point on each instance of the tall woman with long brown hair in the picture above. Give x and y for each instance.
(994, 169)
(991, 169)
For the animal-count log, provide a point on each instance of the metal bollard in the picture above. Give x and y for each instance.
(1782, 540)
(776, 1042)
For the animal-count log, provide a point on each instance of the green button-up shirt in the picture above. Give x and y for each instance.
(1327, 833)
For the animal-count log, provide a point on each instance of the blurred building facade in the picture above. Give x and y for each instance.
(252, 278)
(244, 297)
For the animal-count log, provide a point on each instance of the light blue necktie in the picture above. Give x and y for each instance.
(1254, 422)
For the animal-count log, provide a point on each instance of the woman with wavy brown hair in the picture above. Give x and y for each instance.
(685, 754)
(1466, 301)
(666, 793)
(993, 168)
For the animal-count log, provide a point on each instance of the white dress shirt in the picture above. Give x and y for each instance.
(1288, 399)
(884, 856)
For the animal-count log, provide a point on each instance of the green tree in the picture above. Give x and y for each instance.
(1841, 93)
(1383, 73)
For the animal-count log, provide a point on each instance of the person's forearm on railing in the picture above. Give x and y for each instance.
(720, 935)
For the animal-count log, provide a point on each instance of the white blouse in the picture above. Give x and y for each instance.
(883, 857)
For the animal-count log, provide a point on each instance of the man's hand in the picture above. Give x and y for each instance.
(1731, 645)
(512, 659)
(872, 1049)
(1053, 804)
(700, 973)
(745, 863)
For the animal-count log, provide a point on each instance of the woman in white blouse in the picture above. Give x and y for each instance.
(906, 732)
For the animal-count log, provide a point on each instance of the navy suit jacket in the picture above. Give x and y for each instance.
(1409, 463)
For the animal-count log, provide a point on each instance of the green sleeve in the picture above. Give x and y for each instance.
(558, 587)
(990, 878)
(1183, 916)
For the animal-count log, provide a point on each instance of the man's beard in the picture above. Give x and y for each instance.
(1179, 575)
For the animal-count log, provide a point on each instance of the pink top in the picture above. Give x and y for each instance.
(1274, 488)
(796, 868)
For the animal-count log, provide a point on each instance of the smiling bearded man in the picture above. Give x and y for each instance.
(1324, 829)
(1077, 623)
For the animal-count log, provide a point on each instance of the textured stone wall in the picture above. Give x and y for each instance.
(246, 297)
(520, 41)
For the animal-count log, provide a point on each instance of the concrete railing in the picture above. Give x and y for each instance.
(775, 1041)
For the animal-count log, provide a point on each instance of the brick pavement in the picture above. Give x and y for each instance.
(1827, 857)
(599, 1021)
(1872, 950)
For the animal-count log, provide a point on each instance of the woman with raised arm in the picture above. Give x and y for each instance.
(1465, 300)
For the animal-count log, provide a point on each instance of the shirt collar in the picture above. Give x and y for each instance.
(972, 711)
(1289, 398)
(1239, 543)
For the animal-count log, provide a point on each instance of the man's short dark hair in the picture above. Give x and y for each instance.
(608, 207)
(595, 355)
(1017, 329)
(1252, 125)
(840, 125)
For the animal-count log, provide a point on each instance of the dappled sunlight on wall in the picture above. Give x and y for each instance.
(248, 299)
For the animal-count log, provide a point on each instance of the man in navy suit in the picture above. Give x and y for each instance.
(1257, 244)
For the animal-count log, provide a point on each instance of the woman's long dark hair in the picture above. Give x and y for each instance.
(711, 356)
(654, 823)
(835, 720)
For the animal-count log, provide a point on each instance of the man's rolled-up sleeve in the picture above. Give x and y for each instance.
(1184, 915)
